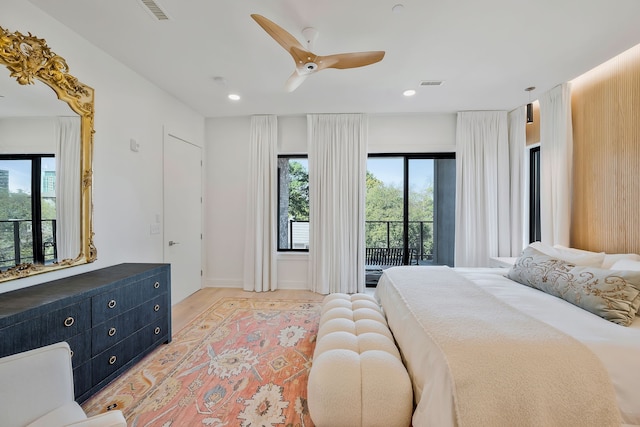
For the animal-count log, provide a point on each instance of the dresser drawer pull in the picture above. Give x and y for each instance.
(156, 285)
(111, 303)
(156, 307)
(156, 330)
(112, 360)
(69, 321)
(112, 332)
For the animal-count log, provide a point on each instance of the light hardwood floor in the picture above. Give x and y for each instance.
(189, 308)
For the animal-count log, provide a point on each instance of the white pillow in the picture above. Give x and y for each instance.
(626, 264)
(611, 259)
(571, 255)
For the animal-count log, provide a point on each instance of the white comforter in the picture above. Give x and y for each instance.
(616, 346)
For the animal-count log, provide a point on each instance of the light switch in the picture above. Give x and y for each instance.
(133, 144)
(154, 228)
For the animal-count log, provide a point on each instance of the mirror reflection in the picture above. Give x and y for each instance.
(46, 128)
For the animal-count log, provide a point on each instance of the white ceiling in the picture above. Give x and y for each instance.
(487, 52)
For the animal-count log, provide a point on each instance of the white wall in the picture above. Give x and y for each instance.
(225, 200)
(127, 185)
(415, 133)
(227, 142)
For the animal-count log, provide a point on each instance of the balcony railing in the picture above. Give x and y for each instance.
(390, 234)
(16, 242)
(380, 235)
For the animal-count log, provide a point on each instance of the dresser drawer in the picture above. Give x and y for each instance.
(110, 304)
(66, 322)
(80, 348)
(112, 359)
(151, 311)
(82, 379)
(116, 329)
(47, 329)
(20, 337)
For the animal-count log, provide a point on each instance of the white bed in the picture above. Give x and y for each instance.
(616, 346)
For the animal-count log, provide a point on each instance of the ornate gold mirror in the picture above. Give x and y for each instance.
(67, 239)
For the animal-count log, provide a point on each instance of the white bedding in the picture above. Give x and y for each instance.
(618, 347)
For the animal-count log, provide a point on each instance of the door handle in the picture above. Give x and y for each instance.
(171, 243)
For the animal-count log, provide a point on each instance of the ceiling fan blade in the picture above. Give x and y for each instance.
(295, 80)
(349, 60)
(279, 34)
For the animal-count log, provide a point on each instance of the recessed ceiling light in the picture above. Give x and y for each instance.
(233, 96)
(398, 8)
(409, 92)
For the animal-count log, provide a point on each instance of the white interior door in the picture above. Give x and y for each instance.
(182, 215)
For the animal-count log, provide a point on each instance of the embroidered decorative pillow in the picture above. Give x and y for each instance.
(611, 294)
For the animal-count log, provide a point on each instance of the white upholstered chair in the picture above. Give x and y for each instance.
(36, 390)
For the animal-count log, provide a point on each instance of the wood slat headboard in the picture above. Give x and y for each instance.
(605, 106)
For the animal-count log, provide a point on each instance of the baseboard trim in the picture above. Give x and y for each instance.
(223, 283)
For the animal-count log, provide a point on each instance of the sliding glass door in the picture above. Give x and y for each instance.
(410, 211)
(420, 209)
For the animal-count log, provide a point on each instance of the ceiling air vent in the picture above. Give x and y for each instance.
(154, 9)
(431, 83)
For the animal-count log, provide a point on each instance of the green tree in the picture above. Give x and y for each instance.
(298, 192)
(384, 215)
(14, 206)
(383, 203)
(372, 182)
(421, 219)
(17, 206)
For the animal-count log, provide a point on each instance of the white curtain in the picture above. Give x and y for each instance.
(260, 262)
(337, 171)
(68, 187)
(517, 143)
(482, 188)
(556, 165)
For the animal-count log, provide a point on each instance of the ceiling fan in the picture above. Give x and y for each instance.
(308, 62)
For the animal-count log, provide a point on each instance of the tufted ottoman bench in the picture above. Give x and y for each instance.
(357, 377)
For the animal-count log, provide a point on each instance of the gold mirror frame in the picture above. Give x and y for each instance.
(28, 59)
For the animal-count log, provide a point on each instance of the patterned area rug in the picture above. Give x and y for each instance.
(243, 362)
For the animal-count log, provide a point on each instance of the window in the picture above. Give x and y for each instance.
(534, 195)
(410, 206)
(293, 203)
(27, 209)
(409, 211)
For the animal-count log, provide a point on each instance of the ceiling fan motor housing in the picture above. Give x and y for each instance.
(311, 66)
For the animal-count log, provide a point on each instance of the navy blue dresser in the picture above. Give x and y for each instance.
(111, 318)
